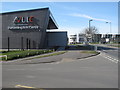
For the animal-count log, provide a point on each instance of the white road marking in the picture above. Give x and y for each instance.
(109, 58)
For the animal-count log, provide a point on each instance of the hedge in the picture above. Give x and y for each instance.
(23, 54)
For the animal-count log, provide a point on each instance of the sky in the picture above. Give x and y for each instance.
(73, 17)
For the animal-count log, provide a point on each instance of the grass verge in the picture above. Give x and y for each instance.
(89, 52)
(53, 54)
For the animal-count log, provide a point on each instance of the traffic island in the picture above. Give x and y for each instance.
(88, 53)
(54, 57)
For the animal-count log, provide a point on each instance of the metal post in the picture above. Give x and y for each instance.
(22, 43)
(8, 44)
(27, 43)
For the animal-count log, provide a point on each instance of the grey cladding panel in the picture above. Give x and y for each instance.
(57, 38)
(33, 35)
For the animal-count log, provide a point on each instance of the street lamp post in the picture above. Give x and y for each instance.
(110, 26)
(89, 23)
(89, 26)
(110, 31)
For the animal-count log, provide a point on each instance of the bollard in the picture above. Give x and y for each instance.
(3, 56)
(95, 48)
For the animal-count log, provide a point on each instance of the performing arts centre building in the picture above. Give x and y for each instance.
(31, 29)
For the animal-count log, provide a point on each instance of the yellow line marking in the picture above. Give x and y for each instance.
(21, 86)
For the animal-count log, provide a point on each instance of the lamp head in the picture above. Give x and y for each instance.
(91, 20)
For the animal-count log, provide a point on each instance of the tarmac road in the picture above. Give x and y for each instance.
(110, 51)
(93, 72)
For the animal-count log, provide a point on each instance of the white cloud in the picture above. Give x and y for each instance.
(89, 17)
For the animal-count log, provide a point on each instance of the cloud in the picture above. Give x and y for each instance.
(89, 17)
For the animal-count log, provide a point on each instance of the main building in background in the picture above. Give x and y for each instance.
(28, 30)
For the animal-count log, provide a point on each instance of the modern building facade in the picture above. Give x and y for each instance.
(110, 38)
(82, 38)
(101, 38)
(73, 39)
(27, 29)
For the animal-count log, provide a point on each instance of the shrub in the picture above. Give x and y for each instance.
(23, 54)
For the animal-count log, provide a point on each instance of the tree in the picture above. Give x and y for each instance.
(89, 33)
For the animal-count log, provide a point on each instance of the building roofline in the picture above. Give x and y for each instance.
(56, 31)
(24, 10)
(29, 10)
(53, 19)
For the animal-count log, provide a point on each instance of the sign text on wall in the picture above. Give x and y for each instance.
(21, 23)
